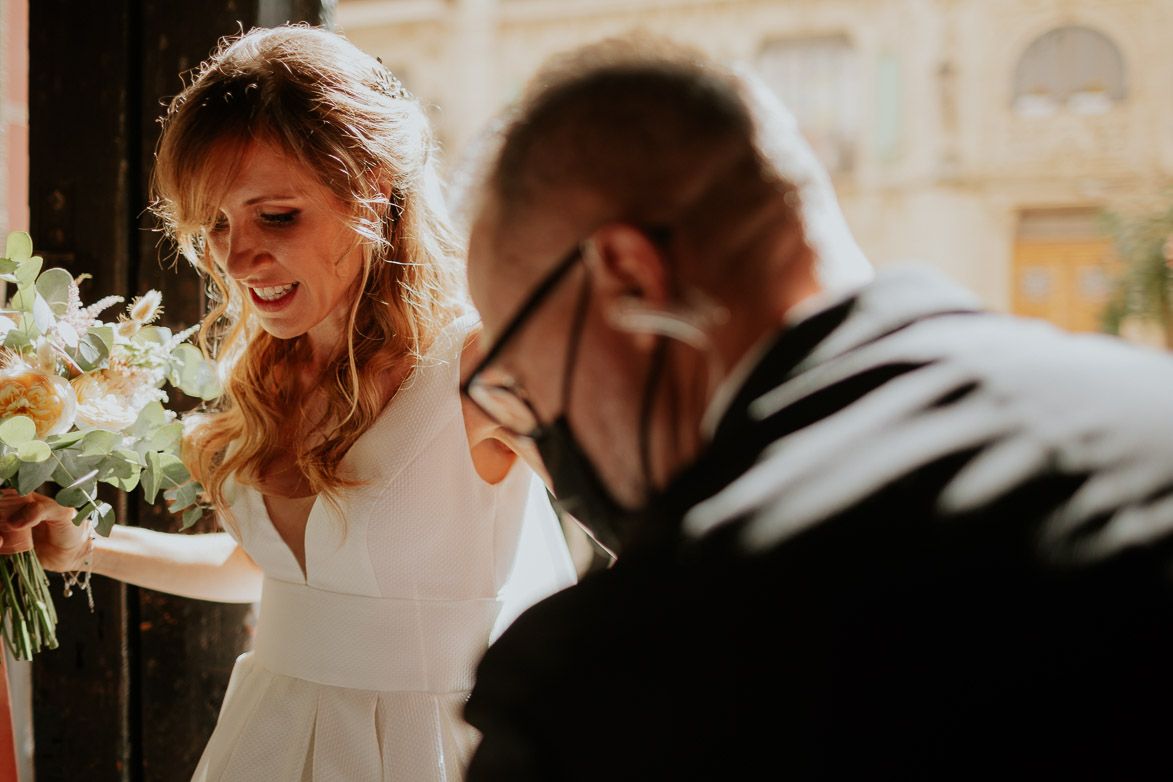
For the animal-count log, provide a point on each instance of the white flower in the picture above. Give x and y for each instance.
(113, 398)
(79, 317)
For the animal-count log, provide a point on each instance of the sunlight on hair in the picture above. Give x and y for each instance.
(316, 98)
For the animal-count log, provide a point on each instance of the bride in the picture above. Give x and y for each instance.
(382, 522)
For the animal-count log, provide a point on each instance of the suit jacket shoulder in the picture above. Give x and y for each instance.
(927, 541)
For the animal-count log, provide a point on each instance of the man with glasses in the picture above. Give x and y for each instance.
(863, 528)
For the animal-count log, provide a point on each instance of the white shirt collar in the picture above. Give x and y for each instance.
(732, 383)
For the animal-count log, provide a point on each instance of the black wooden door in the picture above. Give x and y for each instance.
(133, 691)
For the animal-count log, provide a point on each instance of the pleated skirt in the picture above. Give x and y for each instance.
(284, 729)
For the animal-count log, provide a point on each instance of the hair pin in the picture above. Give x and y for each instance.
(388, 83)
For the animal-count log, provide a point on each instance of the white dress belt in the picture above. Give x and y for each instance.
(372, 643)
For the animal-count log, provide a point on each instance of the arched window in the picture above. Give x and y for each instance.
(1074, 67)
(818, 80)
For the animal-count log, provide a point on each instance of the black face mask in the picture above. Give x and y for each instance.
(579, 489)
(576, 482)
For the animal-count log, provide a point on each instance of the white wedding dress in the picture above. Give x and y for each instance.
(361, 667)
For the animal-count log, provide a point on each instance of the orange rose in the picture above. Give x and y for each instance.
(45, 398)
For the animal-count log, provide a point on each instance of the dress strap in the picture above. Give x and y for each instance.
(450, 342)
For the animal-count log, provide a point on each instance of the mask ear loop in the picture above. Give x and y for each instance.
(655, 371)
(576, 327)
(685, 323)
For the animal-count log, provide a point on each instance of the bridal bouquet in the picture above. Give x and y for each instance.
(81, 403)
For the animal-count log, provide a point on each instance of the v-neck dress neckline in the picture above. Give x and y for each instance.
(362, 663)
(261, 508)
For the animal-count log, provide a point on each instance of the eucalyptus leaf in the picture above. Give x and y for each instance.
(91, 350)
(9, 464)
(104, 333)
(84, 510)
(115, 466)
(182, 360)
(59, 441)
(100, 442)
(162, 470)
(121, 469)
(100, 514)
(68, 334)
(32, 474)
(191, 516)
(167, 437)
(105, 520)
(182, 497)
(19, 246)
(7, 267)
(16, 339)
(172, 470)
(53, 285)
(17, 430)
(150, 419)
(127, 455)
(151, 476)
(28, 324)
(34, 451)
(72, 463)
(42, 314)
(77, 496)
(192, 373)
(28, 270)
(60, 475)
(129, 483)
(159, 335)
(25, 296)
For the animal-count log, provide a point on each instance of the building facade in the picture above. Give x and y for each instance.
(982, 137)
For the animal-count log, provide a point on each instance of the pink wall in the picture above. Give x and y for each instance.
(15, 102)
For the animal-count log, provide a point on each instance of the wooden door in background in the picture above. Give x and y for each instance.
(1066, 282)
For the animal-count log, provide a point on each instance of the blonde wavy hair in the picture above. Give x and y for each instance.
(312, 95)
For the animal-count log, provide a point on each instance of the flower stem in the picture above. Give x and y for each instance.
(28, 620)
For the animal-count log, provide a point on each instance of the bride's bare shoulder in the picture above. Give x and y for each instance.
(493, 451)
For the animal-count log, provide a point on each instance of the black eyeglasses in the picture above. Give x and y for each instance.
(503, 399)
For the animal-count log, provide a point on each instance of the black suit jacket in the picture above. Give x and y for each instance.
(925, 542)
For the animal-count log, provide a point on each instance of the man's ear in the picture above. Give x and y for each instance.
(630, 275)
(627, 265)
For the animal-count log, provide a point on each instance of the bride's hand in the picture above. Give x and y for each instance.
(60, 544)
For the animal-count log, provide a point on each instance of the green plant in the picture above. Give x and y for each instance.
(1144, 288)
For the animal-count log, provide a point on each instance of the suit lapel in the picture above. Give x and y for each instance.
(891, 302)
